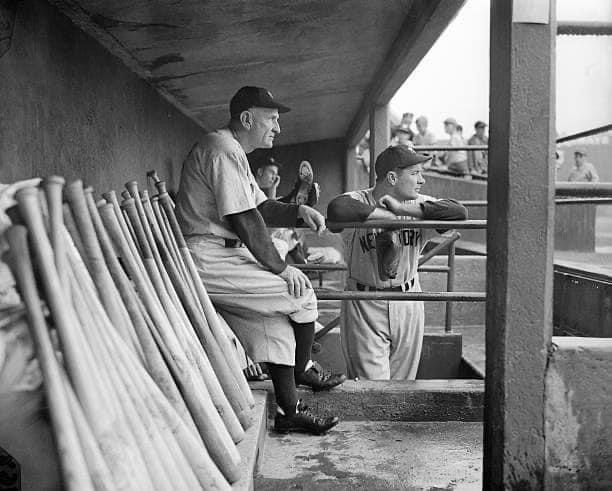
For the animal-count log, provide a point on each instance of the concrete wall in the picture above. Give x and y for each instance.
(68, 107)
(578, 414)
(574, 225)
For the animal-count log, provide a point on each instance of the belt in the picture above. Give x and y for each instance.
(400, 288)
(232, 243)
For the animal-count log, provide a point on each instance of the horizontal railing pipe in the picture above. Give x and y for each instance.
(448, 148)
(408, 296)
(434, 268)
(584, 189)
(584, 28)
(582, 134)
(411, 224)
(558, 201)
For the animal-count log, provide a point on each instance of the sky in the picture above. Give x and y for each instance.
(453, 78)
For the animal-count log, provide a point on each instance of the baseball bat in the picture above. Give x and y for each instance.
(98, 330)
(208, 421)
(96, 265)
(73, 465)
(53, 186)
(70, 225)
(77, 355)
(196, 321)
(154, 361)
(111, 197)
(209, 310)
(98, 468)
(232, 412)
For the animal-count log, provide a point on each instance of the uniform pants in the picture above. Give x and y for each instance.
(254, 301)
(382, 339)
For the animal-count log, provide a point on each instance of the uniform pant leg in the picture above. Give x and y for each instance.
(407, 325)
(364, 331)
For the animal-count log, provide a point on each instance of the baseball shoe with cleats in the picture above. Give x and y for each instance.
(303, 421)
(318, 379)
(305, 179)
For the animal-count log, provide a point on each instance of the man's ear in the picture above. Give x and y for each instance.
(246, 118)
(392, 177)
(260, 172)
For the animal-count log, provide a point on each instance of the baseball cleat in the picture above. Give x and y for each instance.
(303, 421)
(318, 379)
(305, 178)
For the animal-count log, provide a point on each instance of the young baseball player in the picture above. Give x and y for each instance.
(223, 214)
(382, 339)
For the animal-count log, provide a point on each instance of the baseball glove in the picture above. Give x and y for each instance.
(387, 254)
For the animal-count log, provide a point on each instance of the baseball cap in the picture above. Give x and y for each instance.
(480, 124)
(580, 151)
(396, 157)
(403, 129)
(450, 121)
(248, 97)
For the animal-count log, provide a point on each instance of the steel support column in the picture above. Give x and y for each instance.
(379, 135)
(519, 246)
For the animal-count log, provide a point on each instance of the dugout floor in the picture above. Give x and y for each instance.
(375, 455)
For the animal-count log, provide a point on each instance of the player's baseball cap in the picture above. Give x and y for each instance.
(248, 97)
(403, 129)
(398, 157)
(480, 124)
(580, 151)
(450, 121)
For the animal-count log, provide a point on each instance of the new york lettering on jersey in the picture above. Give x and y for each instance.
(408, 237)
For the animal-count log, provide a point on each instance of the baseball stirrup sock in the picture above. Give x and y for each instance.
(304, 337)
(284, 387)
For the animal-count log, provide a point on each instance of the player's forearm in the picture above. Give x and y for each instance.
(278, 214)
(443, 209)
(346, 209)
(250, 227)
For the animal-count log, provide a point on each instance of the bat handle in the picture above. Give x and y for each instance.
(152, 174)
(132, 187)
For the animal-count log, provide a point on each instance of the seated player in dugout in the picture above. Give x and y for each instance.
(223, 214)
(382, 339)
(289, 241)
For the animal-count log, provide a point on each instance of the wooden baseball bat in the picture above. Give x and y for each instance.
(94, 259)
(111, 197)
(74, 468)
(209, 310)
(70, 225)
(151, 205)
(196, 321)
(232, 412)
(98, 330)
(191, 445)
(161, 189)
(154, 361)
(53, 186)
(77, 355)
(214, 433)
(98, 469)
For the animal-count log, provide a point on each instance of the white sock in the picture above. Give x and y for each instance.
(309, 364)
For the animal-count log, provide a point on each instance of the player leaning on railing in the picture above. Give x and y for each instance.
(382, 339)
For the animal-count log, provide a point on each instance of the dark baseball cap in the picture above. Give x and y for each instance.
(480, 124)
(580, 151)
(248, 97)
(398, 157)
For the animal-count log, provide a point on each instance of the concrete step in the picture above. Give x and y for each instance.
(375, 455)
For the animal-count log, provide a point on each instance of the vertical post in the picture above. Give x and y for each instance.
(450, 286)
(350, 169)
(519, 243)
(380, 133)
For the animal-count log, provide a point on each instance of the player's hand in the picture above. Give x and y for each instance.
(312, 218)
(391, 204)
(297, 282)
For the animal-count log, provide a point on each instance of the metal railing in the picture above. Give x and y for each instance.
(448, 296)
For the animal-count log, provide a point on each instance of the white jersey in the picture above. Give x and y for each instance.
(360, 248)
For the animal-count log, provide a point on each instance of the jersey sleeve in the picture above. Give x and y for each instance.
(234, 191)
(443, 209)
(348, 208)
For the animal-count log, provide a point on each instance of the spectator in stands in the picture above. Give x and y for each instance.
(478, 160)
(582, 171)
(455, 160)
(403, 136)
(424, 136)
(403, 131)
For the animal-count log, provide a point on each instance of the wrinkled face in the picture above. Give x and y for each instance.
(266, 176)
(407, 182)
(264, 127)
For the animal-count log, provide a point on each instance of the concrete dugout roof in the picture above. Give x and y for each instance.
(328, 60)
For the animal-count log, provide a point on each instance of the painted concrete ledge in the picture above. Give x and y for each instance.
(416, 400)
(252, 446)
(579, 414)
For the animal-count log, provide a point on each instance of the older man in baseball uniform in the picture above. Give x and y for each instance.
(223, 214)
(382, 339)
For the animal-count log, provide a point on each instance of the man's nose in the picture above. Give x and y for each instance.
(276, 127)
(421, 179)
